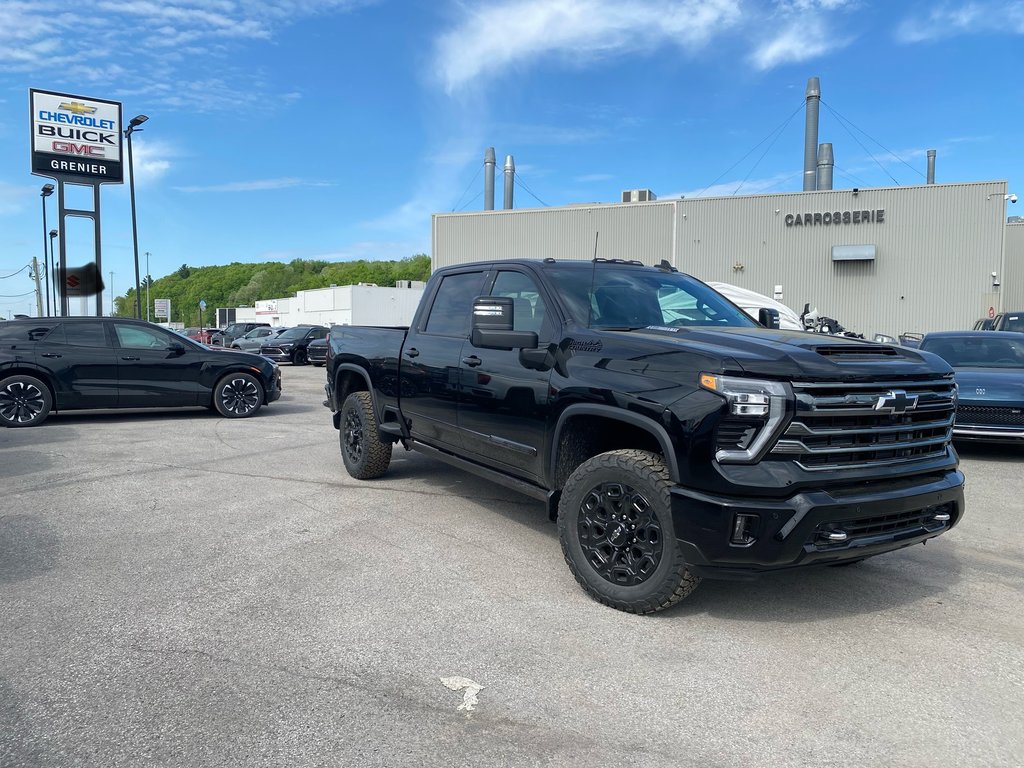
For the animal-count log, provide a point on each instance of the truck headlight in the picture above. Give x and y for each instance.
(757, 410)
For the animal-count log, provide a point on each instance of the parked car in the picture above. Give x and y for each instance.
(254, 339)
(237, 331)
(1008, 321)
(77, 363)
(290, 346)
(989, 368)
(984, 324)
(316, 352)
(210, 336)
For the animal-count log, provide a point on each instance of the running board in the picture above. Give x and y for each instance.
(536, 492)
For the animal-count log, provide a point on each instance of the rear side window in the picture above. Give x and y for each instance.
(79, 335)
(11, 333)
(452, 309)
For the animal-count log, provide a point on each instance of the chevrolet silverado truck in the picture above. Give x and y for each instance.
(671, 436)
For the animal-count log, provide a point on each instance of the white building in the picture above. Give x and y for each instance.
(361, 304)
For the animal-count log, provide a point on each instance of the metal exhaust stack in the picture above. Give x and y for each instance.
(510, 174)
(811, 134)
(825, 164)
(489, 163)
(931, 166)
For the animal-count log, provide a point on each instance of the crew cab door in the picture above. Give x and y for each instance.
(504, 406)
(429, 384)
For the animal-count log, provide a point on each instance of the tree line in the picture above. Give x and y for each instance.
(241, 285)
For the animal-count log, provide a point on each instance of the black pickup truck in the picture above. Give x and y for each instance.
(671, 436)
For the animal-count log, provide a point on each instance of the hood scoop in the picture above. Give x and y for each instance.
(856, 352)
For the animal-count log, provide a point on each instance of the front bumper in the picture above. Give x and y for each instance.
(814, 527)
(274, 390)
(277, 355)
(993, 433)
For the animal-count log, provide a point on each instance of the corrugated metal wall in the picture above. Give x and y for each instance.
(1013, 277)
(934, 251)
(629, 231)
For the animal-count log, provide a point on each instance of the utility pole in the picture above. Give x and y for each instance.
(39, 290)
(111, 294)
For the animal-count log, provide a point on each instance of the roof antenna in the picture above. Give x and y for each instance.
(593, 279)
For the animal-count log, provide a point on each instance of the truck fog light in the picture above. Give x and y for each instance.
(744, 528)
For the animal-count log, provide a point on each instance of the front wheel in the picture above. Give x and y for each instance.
(615, 526)
(237, 396)
(299, 357)
(24, 401)
(366, 456)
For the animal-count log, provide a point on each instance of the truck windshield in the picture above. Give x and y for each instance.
(614, 297)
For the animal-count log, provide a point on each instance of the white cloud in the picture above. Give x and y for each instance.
(257, 185)
(737, 187)
(591, 178)
(951, 19)
(494, 37)
(152, 159)
(799, 41)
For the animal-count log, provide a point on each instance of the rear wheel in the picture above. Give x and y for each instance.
(365, 455)
(25, 401)
(237, 396)
(615, 526)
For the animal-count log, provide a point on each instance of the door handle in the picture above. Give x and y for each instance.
(413, 352)
(52, 354)
(129, 358)
(472, 361)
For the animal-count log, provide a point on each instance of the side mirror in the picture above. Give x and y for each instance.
(493, 323)
(767, 317)
(176, 347)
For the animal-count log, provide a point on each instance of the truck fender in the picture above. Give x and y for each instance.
(336, 395)
(628, 417)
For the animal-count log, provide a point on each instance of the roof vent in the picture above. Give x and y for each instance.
(638, 196)
(857, 351)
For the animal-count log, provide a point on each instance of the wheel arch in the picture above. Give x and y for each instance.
(582, 432)
(35, 373)
(349, 378)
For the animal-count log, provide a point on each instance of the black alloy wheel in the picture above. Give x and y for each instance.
(364, 454)
(24, 401)
(620, 534)
(299, 356)
(615, 527)
(237, 396)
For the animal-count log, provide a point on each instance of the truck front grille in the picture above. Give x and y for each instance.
(857, 425)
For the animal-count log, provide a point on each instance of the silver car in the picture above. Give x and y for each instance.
(253, 340)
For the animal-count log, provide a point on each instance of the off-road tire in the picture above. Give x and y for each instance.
(299, 357)
(642, 480)
(238, 396)
(364, 454)
(25, 401)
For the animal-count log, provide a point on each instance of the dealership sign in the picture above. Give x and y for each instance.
(75, 138)
(162, 308)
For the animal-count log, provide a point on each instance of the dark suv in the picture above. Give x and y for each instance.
(76, 363)
(290, 346)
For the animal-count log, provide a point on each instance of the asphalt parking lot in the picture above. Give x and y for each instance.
(181, 589)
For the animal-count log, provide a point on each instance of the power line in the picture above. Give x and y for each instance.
(27, 266)
(16, 295)
(753, 149)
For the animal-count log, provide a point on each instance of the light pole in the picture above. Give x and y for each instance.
(53, 234)
(111, 294)
(148, 281)
(46, 191)
(133, 125)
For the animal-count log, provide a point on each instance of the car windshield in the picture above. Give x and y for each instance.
(616, 297)
(982, 351)
(294, 333)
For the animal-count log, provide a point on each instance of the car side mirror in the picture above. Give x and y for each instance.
(768, 317)
(493, 324)
(176, 347)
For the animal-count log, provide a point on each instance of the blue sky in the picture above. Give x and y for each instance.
(332, 129)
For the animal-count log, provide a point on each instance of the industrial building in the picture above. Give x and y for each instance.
(881, 260)
(361, 304)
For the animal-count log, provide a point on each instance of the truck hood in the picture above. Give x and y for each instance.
(777, 354)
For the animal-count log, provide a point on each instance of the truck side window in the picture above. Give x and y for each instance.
(453, 304)
(530, 310)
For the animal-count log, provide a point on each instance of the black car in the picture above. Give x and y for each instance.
(77, 363)
(237, 331)
(290, 346)
(316, 352)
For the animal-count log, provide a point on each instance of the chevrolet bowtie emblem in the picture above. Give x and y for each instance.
(77, 107)
(896, 401)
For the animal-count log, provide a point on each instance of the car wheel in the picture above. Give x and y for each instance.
(317, 364)
(299, 356)
(365, 455)
(615, 526)
(24, 401)
(238, 395)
